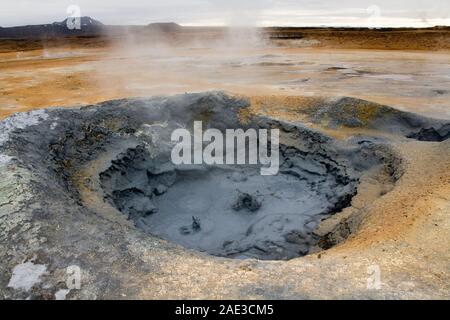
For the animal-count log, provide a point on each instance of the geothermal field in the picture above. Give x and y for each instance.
(359, 207)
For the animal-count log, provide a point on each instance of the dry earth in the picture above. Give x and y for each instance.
(405, 232)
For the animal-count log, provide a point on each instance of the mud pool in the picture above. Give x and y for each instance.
(231, 211)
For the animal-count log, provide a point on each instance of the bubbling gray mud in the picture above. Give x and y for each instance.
(231, 211)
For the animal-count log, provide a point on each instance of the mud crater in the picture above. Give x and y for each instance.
(60, 165)
(228, 211)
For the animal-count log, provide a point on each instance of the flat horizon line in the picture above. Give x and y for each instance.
(248, 27)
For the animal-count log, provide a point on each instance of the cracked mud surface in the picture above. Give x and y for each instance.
(59, 205)
(231, 211)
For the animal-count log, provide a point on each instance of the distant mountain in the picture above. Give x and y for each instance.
(164, 26)
(88, 27)
(84, 22)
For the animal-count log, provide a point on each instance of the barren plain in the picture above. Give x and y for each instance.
(358, 90)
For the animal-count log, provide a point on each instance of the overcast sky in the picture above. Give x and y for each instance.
(419, 13)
